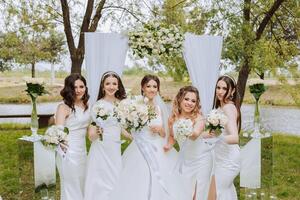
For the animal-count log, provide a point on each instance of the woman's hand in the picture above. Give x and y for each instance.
(64, 146)
(94, 132)
(208, 134)
(156, 129)
(194, 136)
(167, 147)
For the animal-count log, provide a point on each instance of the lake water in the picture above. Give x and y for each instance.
(274, 119)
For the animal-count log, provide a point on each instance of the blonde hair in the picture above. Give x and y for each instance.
(176, 110)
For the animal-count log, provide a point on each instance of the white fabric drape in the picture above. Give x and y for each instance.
(250, 175)
(202, 55)
(103, 52)
(44, 165)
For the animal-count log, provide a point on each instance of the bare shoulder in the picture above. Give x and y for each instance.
(229, 108)
(200, 117)
(63, 109)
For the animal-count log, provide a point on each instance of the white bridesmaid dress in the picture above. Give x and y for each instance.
(146, 168)
(227, 167)
(195, 163)
(72, 165)
(104, 159)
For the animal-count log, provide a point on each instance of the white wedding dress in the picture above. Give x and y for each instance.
(104, 159)
(72, 165)
(146, 172)
(227, 167)
(195, 163)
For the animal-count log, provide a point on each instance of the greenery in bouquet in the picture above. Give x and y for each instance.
(154, 40)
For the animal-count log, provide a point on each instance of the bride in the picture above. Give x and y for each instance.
(145, 164)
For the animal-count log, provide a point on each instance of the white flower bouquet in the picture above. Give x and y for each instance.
(134, 113)
(182, 129)
(100, 113)
(152, 40)
(216, 121)
(55, 135)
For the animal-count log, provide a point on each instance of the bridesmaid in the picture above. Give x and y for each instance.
(73, 114)
(227, 150)
(104, 159)
(145, 164)
(195, 157)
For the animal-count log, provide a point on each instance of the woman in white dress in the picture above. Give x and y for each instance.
(104, 159)
(73, 114)
(195, 157)
(145, 164)
(227, 150)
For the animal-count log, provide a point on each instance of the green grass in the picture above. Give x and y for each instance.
(286, 171)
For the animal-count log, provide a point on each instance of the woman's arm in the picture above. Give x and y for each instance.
(231, 126)
(62, 112)
(198, 128)
(158, 128)
(170, 140)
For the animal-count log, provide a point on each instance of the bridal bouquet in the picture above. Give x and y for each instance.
(134, 113)
(153, 40)
(182, 129)
(216, 121)
(100, 113)
(55, 135)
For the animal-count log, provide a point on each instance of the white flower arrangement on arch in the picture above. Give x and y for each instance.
(153, 40)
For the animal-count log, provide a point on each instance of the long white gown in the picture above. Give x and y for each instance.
(104, 159)
(72, 166)
(146, 168)
(196, 163)
(227, 167)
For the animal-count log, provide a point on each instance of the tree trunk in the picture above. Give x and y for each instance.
(241, 83)
(77, 61)
(33, 70)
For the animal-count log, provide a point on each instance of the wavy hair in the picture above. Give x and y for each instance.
(231, 85)
(148, 78)
(176, 110)
(120, 94)
(68, 92)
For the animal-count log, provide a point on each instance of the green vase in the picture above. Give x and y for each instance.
(34, 119)
(256, 133)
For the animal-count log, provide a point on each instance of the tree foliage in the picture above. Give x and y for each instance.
(260, 36)
(30, 34)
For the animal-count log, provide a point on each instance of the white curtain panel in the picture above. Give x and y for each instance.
(44, 165)
(202, 55)
(103, 52)
(250, 175)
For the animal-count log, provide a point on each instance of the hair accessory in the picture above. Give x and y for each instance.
(233, 80)
(108, 73)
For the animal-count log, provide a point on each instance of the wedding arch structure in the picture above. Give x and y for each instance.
(202, 54)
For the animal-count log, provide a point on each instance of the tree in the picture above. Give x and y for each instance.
(33, 30)
(260, 36)
(8, 52)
